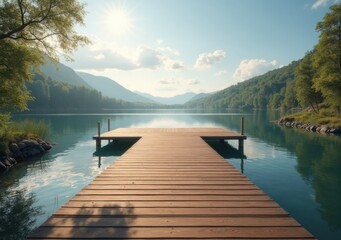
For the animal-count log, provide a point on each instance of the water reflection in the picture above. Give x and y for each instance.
(300, 170)
(17, 214)
(319, 163)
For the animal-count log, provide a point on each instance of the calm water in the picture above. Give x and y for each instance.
(299, 170)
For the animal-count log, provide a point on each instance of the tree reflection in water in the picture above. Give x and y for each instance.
(323, 169)
(17, 214)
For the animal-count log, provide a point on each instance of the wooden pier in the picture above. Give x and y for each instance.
(171, 185)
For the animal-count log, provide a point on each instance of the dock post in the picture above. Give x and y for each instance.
(98, 141)
(242, 165)
(108, 128)
(241, 144)
(99, 162)
(241, 141)
(242, 126)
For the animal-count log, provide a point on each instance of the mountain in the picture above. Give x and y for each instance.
(198, 96)
(178, 99)
(62, 73)
(110, 88)
(272, 90)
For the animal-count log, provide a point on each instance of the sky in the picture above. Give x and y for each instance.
(170, 47)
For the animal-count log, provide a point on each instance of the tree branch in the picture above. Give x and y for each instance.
(30, 22)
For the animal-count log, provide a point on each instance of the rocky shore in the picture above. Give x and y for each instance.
(323, 129)
(23, 151)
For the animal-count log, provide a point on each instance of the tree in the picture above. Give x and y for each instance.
(327, 58)
(30, 30)
(290, 100)
(305, 92)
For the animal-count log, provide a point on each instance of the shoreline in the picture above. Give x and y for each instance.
(317, 128)
(23, 151)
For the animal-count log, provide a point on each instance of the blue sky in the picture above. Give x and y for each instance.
(169, 47)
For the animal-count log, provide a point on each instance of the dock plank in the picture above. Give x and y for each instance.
(170, 185)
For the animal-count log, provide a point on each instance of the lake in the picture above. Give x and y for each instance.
(299, 170)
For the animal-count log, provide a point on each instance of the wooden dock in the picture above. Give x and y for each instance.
(171, 185)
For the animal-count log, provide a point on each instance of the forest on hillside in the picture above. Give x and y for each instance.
(52, 95)
(314, 81)
(273, 90)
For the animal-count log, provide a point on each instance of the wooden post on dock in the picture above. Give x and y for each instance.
(241, 141)
(108, 128)
(98, 141)
(242, 126)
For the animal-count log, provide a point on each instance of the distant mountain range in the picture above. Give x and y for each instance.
(178, 99)
(108, 87)
(62, 73)
(274, 89)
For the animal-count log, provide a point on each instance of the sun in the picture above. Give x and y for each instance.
(118, 21)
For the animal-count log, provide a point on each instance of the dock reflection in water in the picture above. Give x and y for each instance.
(115, 148)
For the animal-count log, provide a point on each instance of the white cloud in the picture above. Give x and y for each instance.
(148, 58)
(102, 55)
(206, 60)
(153, 58)
(319, 3)
(172, 64)
(99, 56)
(169, 81)
(221, 73)
(249, 68)
(193, 82)
(102, 59)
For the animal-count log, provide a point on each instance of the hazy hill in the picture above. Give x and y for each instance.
(178, 99)
(271, 90)
(110, 88)
(200, 95)
(62, 73)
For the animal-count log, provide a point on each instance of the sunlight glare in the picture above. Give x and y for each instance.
(118, 21)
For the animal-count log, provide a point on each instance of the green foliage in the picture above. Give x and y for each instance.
(15, 63)
(42, 25)
(261, 92)
(327, 58)
(29, 128)
(18, 214)
(58, 96)
(30, 30)
(315, 79)
(306, 93)
(290, 100)
(324, 117)
(17, 131)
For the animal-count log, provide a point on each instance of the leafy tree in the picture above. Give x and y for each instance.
(327, 58)
(306, 93)
(30, 30)
(15, 62)
(290, 100)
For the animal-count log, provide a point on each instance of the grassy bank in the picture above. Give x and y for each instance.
(15, 132)
(324, 117)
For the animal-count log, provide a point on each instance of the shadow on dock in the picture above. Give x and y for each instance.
(227, 151)
(88, 221)
(114, 148)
